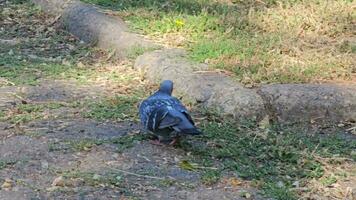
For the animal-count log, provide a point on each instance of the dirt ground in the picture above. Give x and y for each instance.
(49, 149)
(42, 164)
(69, 128)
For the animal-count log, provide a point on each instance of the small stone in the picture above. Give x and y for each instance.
(245, 195)
(33, 56)
(115, 155)
(65, 62)
(340, 125)
(296, 184)
(118, 178)
(176, 159)
(280, 184)
(7, 185)
(44, 164)
(51, 189)
(78, 182)
(96, 177)
(264, 123)
(59, 181)
(80, 65)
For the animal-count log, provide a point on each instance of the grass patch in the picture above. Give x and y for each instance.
(24, 113)
(261, 42)
(115, 108)
(127, 141)
(136, 51)
(94, 179)
(2, 114)
(274, 158)
(30, 72)
(6, 162)
(43, 51)
(210, 176)
(85, 144)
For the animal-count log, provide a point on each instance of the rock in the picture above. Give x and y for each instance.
(92, 26)
(7, 185)
(280, 184)
(44, 164)
(58, 182)
(217, 91)
(310, 103)
(96, 177)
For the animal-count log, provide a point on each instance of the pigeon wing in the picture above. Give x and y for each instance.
(177, 105)
(154, 114)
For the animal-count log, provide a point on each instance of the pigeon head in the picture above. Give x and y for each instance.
(166, 87)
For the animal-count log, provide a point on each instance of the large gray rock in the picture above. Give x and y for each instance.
(282, 103)
(92, 26)
(213, 89)
(310, 103)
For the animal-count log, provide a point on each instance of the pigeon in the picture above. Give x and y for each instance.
(165, 116)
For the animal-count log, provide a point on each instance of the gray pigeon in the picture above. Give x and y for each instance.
(165, 116)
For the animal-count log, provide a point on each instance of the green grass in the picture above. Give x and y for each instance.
(6, 162)
(30, 72)
(85, 144)
(24, 113)
(119, 107)
(43, 51)
(127, 141)
(136, 51)
(210, 176)
(275, 41)
(2, 114)
(272, 158)
(94, 179)
(267, 156)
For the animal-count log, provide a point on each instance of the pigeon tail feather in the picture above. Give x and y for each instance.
(169, 121)
(191, 131)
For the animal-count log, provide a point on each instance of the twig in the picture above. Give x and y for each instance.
(55, 20)
(213, 168)
(9, 42)
(7, 82)
(140, 175)
(313, 152)
(350, 129)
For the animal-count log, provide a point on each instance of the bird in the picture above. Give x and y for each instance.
(164, 116)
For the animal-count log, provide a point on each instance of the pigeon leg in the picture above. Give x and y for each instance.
(156, 142)
(174, 141)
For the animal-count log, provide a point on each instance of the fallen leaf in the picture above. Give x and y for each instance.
(184, 164)
(234, 182)
(59, 181)
(7, 185)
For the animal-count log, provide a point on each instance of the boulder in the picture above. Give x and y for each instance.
(310, 103)
(212, 89)
(92, 26)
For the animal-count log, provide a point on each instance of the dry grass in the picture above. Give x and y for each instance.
(317, 39)
(260, 41)
(337, 181)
